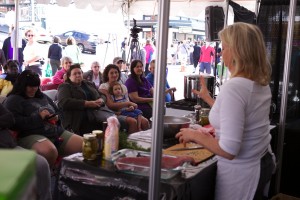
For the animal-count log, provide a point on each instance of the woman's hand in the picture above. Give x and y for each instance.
(93, 104)
(204, 93)
(44, 113)
(203, 89)
(134, 105)
(186, 135)
(130, 108)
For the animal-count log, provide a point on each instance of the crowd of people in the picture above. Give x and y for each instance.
(53, 128)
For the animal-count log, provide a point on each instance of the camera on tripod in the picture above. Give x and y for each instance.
(135, 30)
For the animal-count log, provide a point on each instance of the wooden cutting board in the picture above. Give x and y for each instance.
(199, 155)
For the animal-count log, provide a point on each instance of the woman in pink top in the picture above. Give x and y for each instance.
(60, 75)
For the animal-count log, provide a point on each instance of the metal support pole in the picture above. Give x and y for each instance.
(159, 99)
(16, 30)
(284, 97)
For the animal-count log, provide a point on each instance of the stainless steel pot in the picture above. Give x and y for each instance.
(172, 125)
(193, 82)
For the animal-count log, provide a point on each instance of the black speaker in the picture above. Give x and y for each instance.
(214, 22)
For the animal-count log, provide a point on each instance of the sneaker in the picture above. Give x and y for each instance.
(194, 71)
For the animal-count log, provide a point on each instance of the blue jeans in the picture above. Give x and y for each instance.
(205, 66)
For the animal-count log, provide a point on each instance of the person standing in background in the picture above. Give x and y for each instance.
(196, 55)
(123, 48)
(2, 60)
(206, 55)
(183, 53)
(72, 50)
(8, 48)
(94, 75)
(149, 52)
(32, 54)
(55, 54)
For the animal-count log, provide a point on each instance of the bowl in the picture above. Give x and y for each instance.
(172, 125)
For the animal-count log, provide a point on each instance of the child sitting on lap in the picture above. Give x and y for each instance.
(117, 95)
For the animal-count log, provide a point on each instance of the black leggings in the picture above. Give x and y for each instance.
(266, 168)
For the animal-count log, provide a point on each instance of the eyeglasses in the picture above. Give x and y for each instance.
(68, 62)
(30, 35)
(96, 66)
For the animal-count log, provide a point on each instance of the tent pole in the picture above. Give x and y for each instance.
(284, 97)
(159, 99)
(16, 30)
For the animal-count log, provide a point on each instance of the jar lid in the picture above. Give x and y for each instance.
(197, 107)
(89, 136)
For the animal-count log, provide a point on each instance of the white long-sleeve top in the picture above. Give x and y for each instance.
(240, 116)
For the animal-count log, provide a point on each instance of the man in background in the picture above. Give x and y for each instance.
(8, 50)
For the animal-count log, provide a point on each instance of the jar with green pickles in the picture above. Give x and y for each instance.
(90, 146)
(204, 112)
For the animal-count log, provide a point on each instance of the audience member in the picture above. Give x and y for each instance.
(94, 75)
(120, 63)
(8, 78)
(60, 76)
(37, 121)
(117, 95)
(55, 54)
(111, 75)
(140, 90)
(150, 77)
(8, 142)
(79, 100)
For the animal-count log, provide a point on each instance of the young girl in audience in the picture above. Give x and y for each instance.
(117, 94)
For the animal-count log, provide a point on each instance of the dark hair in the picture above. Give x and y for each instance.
(56, 39)
(133, 74)
(74, 66)
(107, 69)
(27, 78)
(111, 88)
(10, 64)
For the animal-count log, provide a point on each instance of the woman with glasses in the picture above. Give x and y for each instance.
(60, 76)
(94, 75)
(31, 54)
(37, 120)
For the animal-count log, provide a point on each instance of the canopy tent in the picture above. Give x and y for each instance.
(190, 8)
(164, 9)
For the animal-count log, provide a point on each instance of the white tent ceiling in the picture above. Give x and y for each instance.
(191, 8)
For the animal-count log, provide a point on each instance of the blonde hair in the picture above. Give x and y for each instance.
(70, 40)
(248, 50)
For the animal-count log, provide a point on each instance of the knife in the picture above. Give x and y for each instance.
(186, 148)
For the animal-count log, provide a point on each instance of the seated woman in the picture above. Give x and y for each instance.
(8, 78)
(94, 75)
(111, 75)
(140, 90)
(8, 142)
(37, 127)
(60, 75)
(150, 77)
(81, 102)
